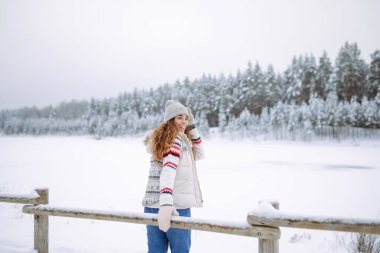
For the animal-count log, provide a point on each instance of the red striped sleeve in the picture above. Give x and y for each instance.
(197, 140)
(170, 163)
(166, 189)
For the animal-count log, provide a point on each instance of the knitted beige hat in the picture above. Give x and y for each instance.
(174, 108)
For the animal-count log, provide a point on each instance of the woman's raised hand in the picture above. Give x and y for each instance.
(191, 117)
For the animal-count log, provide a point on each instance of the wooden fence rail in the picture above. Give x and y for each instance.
(262, 223)
(33, 198)
(273, 218)
(41, 222)
(243, 229)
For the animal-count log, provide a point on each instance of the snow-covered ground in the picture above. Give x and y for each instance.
(318, 178)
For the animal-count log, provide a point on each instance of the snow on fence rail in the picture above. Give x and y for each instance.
(235, 228)
(266, 215)
(263, 222)
(33, 198)
(41, 222)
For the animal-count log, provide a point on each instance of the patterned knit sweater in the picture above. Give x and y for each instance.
(177, 168)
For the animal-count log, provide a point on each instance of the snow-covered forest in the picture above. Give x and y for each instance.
(311, 98)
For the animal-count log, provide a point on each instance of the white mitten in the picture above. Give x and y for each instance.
(191, 117)
(164, 215)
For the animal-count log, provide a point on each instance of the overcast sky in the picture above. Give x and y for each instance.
(53, 51)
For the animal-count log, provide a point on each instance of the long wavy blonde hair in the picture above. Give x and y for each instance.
(162, 137)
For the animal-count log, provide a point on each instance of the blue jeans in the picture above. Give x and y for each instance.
(178, 239)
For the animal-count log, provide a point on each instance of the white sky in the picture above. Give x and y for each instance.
(52, 50)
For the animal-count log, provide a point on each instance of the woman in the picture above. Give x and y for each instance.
(173, 186)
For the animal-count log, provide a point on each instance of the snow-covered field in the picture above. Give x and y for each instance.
(110, 174)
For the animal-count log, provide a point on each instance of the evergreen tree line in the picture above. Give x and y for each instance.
(223, 101)
(319, 119)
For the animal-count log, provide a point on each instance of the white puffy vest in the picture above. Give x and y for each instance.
(186, 192)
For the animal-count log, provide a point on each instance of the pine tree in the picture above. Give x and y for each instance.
(351, 71)
(307, 128)
(373, 84)
(292, 83)
(292, 123)
(323, 83)
(239, 97)
(273, 87)
(354, 113)
(226, 97)
(307, 76)
(243, 122)
(261, 94)
(136, 102)
(203, 124)
(264, 125)
(370, 111)
(248, 88)
(331, 105)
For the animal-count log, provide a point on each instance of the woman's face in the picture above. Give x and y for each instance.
(181, 122)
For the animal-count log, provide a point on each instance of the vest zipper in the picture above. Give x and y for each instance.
(195, 172)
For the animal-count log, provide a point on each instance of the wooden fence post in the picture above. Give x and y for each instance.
(41, 224)
(269, 246)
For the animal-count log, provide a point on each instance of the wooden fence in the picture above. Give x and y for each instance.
(263, 223)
